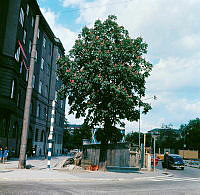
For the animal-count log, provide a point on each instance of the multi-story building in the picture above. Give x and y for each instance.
(17, 20)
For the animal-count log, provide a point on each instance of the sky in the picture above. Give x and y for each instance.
(172, 31)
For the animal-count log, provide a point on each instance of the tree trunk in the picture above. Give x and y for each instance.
(103, 157)
(103, 146)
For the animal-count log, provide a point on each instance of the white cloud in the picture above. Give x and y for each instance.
(171, 28)
(175, 73)
(67, 3)
(66, 36)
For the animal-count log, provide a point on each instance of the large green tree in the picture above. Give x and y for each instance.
(133, 138)
(191, 134)
(104, 75)
(83, 133)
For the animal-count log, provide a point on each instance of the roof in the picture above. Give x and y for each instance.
(45, 24)
(175, 155)
(74, 126)
(163, 129)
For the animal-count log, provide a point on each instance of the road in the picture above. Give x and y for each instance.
(177, 182)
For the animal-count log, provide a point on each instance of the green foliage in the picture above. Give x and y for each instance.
(83, 133)
(114, 135)
(133, 138)
(191, 134)
(168, 139)
(76, 139)
(104, 75)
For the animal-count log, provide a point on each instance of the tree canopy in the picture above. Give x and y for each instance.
(104, 75)
(191, 134)
(75, 140)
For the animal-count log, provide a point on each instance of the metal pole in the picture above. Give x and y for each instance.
(144, 148)
(154, 153)
(139, 128)
(22, 156)
(50, 138)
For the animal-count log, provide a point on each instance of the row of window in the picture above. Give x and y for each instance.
(13, 92)
(10, 131)
(42, 136)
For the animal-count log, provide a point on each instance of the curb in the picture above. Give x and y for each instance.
(83, 179)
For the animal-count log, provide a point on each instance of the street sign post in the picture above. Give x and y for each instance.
(154, 151)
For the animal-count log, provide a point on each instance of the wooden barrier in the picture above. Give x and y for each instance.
(117, 155)
(189, 154)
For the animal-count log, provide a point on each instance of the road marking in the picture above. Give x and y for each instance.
(176, 179)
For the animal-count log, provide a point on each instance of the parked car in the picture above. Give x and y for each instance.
(156, 160)
(176, 161)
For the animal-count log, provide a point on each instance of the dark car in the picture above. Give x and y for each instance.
(176, 161)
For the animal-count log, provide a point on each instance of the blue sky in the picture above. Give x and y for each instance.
(172, 31)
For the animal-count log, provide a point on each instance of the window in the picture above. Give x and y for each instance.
(40, 87)
(45, 112)
(55, 117)
(21, 67)
(18, 99)
(42, 63)
(32, 23)
(42, 136)
(38, 34)
(21, 17)
(30, 46)
(27, 9)
(36, 55)
(3, 128)
(24, 37)
(27, 75)
(46, 91)
(36, 134)
(48, 70)
(33, 81)
(56, 96)
(12, 89)
(14, 130)
(55, 138)
(60, 121)
(44, 42)
(61, 103)
(50, 49)
(17, 54)
(38, 111)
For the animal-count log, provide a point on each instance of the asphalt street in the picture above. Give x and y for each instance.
(182, 182)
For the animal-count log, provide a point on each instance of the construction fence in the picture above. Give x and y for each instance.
(117, 155)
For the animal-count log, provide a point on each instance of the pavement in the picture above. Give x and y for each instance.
(39, 172)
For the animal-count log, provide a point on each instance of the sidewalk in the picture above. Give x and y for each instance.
(34, 163)
(39, 172)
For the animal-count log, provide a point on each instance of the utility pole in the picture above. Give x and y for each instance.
(22, 156)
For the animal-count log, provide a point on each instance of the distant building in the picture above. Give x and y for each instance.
(72, 127)
(17, 20)
(159, 130)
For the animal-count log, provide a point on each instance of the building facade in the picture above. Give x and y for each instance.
(17, 21)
